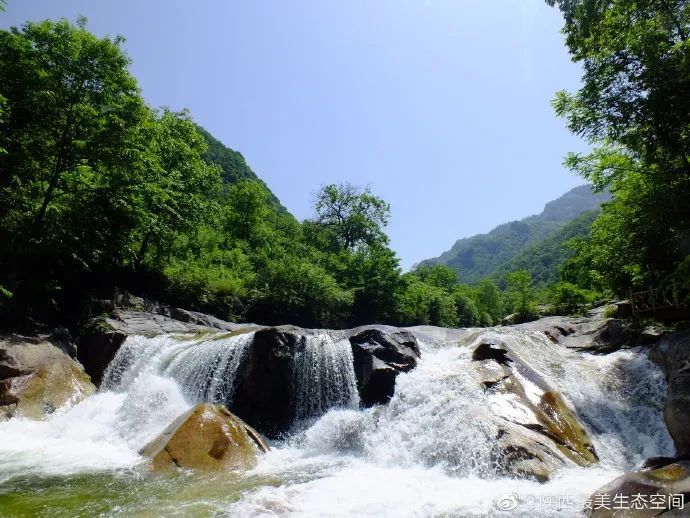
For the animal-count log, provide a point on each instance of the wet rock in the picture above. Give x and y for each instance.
(380, 354)
(524, 454)
(646, 493)
(208, 437)
(36, 377)
(264, 395)
(673, 354)
(540, 429)
(593, 334)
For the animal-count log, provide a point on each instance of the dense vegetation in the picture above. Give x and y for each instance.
(98, 190)
(634, 107)
(520, 244)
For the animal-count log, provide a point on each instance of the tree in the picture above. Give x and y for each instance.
(635, 105)
(353, 216)
(569, 299)
(468, 314)
(438, 275)
(420, 303)
(490, 301)
(521, 295)
(175, 186)
(372, 273)
(73, 115)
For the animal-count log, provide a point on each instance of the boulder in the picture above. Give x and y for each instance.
(36, 377)
(381, 353)
(672, 353)
(594, 334)
(207, 437)
(539, 430)
(645, 493)
(264, 395)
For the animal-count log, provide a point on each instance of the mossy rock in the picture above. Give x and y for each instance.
(209, 438)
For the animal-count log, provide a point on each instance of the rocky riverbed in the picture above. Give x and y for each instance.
(539, 402)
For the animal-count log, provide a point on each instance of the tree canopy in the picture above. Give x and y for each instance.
(634, 105)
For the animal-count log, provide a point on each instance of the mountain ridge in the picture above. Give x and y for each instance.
(483, 255)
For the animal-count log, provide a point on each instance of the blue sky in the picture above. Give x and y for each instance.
(442, 107)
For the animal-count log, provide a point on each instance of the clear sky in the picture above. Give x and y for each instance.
(442, 107)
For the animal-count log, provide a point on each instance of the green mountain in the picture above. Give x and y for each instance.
(545, 258)
(233, 165)
(535, 242)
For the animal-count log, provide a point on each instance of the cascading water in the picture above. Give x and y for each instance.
(324, 376)
(204, 368)
(429, 452)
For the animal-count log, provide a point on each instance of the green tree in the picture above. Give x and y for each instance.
(175, 186)
(73, 118)
(489, 301)
(468, 314)
(521, 295)
(634, 104)
(569, 299)
(353, 216)
(438, 275)
(420, 303)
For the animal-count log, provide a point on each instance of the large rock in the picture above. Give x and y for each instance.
(36, 377)
(381, 353)
(208, 437)
(270, 385)
(673, 354)
(103, 336)
(645, 494)
(264, 383)
(537, 423)
(593, 334)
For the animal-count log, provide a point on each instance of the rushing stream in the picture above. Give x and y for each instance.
(426, 453)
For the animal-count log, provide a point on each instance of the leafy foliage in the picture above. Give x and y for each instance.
(634, 104)
(99, 189)
(521, 296)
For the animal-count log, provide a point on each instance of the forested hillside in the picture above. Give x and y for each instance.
(491, 254)
(232, 165)
(100, 190)
(544, 259)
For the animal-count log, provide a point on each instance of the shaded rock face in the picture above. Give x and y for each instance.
(208, 437)
(379, 355)
(672, 353)
(655, 487)
(539, 428)
(264, 380)
(37, 377)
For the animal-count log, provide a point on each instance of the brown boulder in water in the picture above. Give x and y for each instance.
(539, 430)
(207, 437)
(646, 493)
(36, 378)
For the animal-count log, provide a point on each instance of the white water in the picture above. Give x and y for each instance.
(426, 453)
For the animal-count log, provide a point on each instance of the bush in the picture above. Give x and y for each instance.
(568, 299)
(610, 311)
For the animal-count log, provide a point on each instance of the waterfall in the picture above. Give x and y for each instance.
(205, 368)
(430, 451)
(324, 376)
